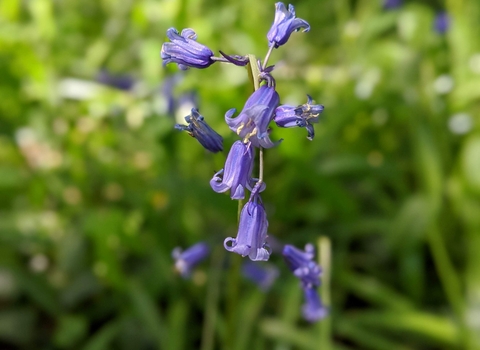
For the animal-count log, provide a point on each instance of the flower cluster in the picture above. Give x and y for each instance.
(252, 125)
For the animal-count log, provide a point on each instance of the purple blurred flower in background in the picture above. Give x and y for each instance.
(287, 116)
(185, 51)
(252, 122)
(442, 22)
(302, 265)
(199, 129)
(262, 275)
(186, 260)
(237, 171)
(313, 309)
(121, 82)
(391, 4)
(252, 230)
(284, 24)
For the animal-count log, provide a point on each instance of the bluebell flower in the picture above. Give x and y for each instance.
(252, 230)
(252, 123)
(237, 171)
(262, 275)
(287, 116)
(391, 4)
(186, 260)
(284, 24)
(442, 22)
(199, 129)
(185, 51)
(313, 309)
(302, 265)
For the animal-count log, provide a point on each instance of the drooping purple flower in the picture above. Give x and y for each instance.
(287, 116)
(186, 260)
(262, 275)
(391, 4)
(252, 122)
(442, 22)
(313, 309)
(252, 230)
(302, 265)
(199, 129)
(284, 24)
(185, 51)
(237, 171)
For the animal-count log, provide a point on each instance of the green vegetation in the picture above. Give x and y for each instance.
(97, 188)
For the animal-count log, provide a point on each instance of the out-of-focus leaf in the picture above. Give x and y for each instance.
(17, 325)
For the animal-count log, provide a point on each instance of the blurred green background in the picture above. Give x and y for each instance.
(97, 188)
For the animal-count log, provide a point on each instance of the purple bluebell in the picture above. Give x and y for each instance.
(185, 51)
(237, 171)
(262, 275)
(199, 129)
(284, 24)
(442, 22)
(287, 116)
(186, 260)
(313, 309)
(391, 4)
(252, 123)
(302, 265)
(252, 230)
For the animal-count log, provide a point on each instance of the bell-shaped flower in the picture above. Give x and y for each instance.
(262, 275)
(284, 24)
(237, 171)
(185, 51)
(252, 123)
(313, 310)
(302, 265)
(186, 260)
(252, 230)
(287, 116)
(199, 129)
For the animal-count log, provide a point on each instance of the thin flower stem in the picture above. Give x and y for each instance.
(265, 61)
(254, 73)
(260, 167)
(220, 59)
(325, 261)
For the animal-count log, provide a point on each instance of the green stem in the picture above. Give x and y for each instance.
(211, 304)
(325, 260)
(265, 61)
(253, 71)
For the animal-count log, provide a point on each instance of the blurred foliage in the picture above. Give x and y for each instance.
(97, 188)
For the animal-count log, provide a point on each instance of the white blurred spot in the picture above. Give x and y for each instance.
(352, 29)
(474, 63)
(183, 110)
(39, 263)
(460, 123)
(78, 89)
(365, 87)
(443, 84)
